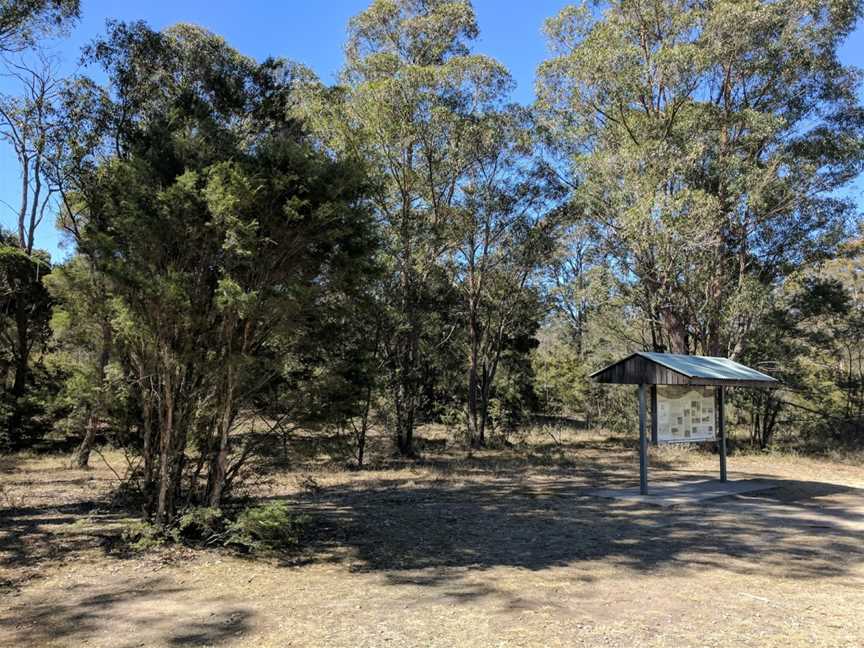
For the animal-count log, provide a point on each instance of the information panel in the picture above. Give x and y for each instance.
(685, 414)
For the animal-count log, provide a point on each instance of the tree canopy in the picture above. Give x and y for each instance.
(707, 142)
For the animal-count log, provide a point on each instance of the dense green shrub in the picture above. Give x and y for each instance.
(199, 524)
(266, 528)
(142, 536)
(256, 529)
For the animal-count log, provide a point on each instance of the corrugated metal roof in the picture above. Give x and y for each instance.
(708, 367)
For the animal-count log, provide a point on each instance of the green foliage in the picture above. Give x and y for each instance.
(226, 238)
(24, 22)
(810, 336)
(513, 398)
(258, 529)
(95, 388)
(198, 524)
(410, 247)
(706, 143)
(25, 309)
(142, 535)
(561, 378)
(268, 527)
(448, 158)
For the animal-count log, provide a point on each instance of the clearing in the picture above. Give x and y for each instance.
(493, 548)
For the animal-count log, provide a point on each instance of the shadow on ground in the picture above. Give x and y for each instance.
(430, 524)
(132, 613)
(33, 541)
(798, 530)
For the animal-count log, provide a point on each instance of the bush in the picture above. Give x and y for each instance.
(266, 528)
(142, 536)
(201, 523)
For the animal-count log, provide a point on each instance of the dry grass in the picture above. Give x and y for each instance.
(498, 547)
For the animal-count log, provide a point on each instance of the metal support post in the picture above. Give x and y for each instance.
(654, 435)
(643, 444)
(721, 429)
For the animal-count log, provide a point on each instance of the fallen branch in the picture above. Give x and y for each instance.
(101, 456)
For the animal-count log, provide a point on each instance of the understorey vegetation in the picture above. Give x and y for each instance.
(253, 252)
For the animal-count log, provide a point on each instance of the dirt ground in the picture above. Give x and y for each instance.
(499, 548)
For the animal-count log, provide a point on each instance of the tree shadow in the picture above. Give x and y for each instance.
(443, 527)
(30, 536)
(134, 613)
(609, 461)
(72, 522)
(447, 524)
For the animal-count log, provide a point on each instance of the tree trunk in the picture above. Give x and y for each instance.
(676, 332)
(25, 199)
(408, 347)
(361, 444)
(484, 418)
(167, 458)
(219, 463)
(488, 378)
(149, 453)
(19, 384)
(406, 389)
(82, 454)
(475, 427)
(405, 412)
(475, 433)
(360, 433)
(218, 470)
(772, 409)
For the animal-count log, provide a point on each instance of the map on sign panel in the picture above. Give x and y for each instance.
(685, 414)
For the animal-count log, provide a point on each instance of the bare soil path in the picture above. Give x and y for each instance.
(502, 548)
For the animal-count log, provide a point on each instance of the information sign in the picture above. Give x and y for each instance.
(685, 414)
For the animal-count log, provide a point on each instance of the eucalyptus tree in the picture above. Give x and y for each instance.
(24, 22)
(411, 101)
(30, 126)
(27, 124)
(222, 233)
(709, 144)
(503, 231)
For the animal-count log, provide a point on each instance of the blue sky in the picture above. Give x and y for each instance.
(313, 32)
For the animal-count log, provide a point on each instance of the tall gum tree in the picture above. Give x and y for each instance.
(30, 125)
(411, 98)
(24, 22)
(504, 231)
(709, 143)
(26, 123)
